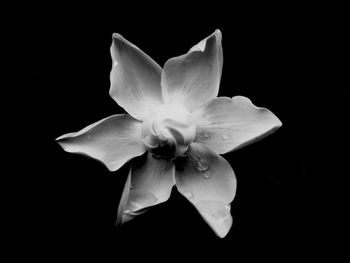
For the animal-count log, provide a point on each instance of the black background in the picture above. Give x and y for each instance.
(272, 55)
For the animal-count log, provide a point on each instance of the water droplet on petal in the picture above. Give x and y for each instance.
(206, 175)
(226, 135)
(188, 195)
(202, 166)
(206, 134)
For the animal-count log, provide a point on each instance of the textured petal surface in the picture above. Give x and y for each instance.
(226, 124)
(148, 184)
(135, 78)
(193, 79)
(113, 140)
(209, 183)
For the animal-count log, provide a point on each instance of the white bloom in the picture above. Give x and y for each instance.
(176, 117)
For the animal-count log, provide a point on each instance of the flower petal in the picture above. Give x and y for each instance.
(113, 140)
(193, 79)
(135, 78)
(148, 184)
(226, 124)
(209, 183)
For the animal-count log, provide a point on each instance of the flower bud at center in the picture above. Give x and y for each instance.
(168, 131)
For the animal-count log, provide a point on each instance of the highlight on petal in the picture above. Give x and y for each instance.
(225, 124)
(194, 78)
(113, 140)
(148, 184)
(135, 78)
(209, 183)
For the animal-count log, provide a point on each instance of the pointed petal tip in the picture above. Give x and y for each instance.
(218, 37)
(218, 34)
(116, 39)
(217, 216)
(279, 124)
(61, 141)
(117, 36)
(60, 138)
(222, 233)
(220, 226)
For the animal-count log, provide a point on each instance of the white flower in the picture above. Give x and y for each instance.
(176, 117)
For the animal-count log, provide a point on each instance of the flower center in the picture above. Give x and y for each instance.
(168, 131)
